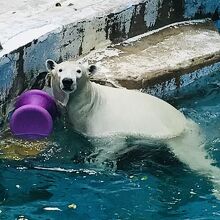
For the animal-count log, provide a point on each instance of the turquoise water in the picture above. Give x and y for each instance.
(148, 183)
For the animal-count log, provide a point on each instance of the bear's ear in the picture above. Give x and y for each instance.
(92, 69)
(50, 64)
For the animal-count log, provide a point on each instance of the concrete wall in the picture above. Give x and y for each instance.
(168, 89)
(201, 8)
(19, 64)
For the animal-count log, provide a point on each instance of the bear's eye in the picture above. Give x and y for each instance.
(60, 70)
(78, 71)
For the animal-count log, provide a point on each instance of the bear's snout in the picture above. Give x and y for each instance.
(67, 84)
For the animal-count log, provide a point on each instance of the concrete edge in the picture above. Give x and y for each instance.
(161, 75)
(169, 88)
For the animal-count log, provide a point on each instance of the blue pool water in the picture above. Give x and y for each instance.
(148, 184)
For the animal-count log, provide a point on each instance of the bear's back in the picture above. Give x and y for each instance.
(129, 112)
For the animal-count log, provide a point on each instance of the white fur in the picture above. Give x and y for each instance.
(110, 115)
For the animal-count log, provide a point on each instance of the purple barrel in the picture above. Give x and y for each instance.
(33, 115)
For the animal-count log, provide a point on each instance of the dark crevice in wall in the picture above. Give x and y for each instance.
(39, 81)
(81, 34)
(113, 28)
(201, 13)
(169, 12)
(216, 15)
(107, 26)
(80, 49)
(138, 25)
(20, 82)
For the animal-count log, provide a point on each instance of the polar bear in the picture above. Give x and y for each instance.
(110, 115)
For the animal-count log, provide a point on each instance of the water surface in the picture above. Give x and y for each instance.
(148, 183)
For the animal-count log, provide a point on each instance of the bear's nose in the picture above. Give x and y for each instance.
(67, 82)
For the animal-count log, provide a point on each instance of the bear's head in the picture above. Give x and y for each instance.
(68, 77)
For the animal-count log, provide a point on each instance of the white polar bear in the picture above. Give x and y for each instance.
(110, 115)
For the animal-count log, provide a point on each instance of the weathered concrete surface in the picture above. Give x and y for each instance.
(32, 31)
(35, 31)
(21, 16)
(163, 55)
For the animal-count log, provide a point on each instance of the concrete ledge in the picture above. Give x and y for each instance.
(170, 88)
(158, 56)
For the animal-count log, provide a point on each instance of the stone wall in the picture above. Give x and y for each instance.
(22, 63)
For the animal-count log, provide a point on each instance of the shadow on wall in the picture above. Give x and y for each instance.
(201, 8)
(217, 23)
